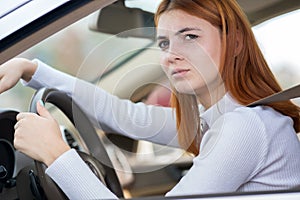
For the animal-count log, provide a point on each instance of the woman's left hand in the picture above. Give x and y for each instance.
(39, 136)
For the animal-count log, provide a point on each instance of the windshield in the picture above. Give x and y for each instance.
(18, 13)
(69, 49)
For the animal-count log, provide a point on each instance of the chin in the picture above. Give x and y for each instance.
(185, 89)
(190, 86)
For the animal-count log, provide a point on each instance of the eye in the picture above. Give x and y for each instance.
(191, 37)
(163, 44)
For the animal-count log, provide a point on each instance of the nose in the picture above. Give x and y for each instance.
(170, 57)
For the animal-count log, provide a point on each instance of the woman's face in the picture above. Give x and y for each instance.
(191, 49)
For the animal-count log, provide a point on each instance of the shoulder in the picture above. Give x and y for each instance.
(244, 127)
(242, 119)
(239, 129)
(257, 123)
(259, 118)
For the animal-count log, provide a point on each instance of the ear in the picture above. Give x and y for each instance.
(239, 43)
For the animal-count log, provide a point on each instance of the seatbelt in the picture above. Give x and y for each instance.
(284, 95)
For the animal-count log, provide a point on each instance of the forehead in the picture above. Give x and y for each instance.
(175, 20)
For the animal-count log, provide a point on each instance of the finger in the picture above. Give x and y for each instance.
(20, 116)
(18, 141)
(16, 125)
(17, 136)
(23, 115)
(5, 84)
(42, 111)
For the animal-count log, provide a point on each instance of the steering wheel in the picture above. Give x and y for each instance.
(103, 170)
(7, 158)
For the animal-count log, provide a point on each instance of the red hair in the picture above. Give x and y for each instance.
(245, 73)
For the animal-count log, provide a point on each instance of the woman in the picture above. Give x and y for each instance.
(211, 58)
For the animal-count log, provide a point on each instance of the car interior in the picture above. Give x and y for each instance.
(115, 51)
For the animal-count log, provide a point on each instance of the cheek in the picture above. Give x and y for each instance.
(214, 51)
(201, 61)
(206, 59)
(163, 62)
(162, 59)
(215, 56)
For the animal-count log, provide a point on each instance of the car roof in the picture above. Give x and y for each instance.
(261, 10)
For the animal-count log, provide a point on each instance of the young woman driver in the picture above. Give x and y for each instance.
(210, 55)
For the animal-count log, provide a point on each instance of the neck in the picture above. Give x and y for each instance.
(210, 96)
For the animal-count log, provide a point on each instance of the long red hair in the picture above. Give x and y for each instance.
(246, 74)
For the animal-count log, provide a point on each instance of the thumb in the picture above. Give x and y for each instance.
(42, 111)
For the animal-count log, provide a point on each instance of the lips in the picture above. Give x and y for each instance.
(178, 72)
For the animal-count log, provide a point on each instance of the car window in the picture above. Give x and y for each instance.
(77, 51)
(88, 55)
(25, 11)
(67, 50)
(280, 42)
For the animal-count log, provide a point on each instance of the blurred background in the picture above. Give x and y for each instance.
(66, 50)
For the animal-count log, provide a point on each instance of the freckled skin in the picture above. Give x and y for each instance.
(191, 51)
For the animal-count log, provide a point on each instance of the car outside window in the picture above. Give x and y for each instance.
(278, 38)
(280, 42)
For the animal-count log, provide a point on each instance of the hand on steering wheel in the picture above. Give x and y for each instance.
(98, 159)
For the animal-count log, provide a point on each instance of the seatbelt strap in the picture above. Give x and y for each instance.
(284, 95)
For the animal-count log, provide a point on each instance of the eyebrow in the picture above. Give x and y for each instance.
(187, 29)
(180, 32)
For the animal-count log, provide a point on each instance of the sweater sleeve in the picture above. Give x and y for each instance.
(75, 178)
(108, 112)
(232, 151)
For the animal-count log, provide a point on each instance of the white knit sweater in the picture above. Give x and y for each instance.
(245, 149)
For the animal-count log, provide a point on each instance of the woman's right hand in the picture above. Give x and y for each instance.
(14, 70)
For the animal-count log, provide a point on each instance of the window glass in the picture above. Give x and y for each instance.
(78, 51)
(64, 50)
(67, 50)
(280, 42)
(18, 13)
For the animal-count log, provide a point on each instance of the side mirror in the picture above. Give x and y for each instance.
(119, 20)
